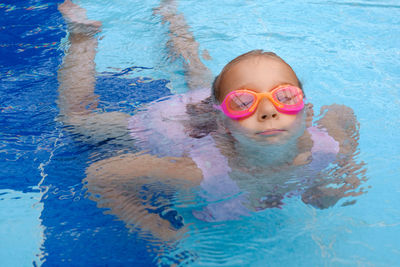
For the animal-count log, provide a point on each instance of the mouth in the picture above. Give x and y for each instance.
(271, 132)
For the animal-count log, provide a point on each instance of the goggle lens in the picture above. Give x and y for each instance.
(288, 96)
(240, 101)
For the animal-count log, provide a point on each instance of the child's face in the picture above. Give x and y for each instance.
(262, 74)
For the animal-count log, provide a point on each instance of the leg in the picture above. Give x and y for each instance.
(182, 43)
(77, 99)
(77, 74)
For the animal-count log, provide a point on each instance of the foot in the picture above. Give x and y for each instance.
(77, 21)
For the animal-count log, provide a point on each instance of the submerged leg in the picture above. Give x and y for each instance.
(183, 44)
(77, 74)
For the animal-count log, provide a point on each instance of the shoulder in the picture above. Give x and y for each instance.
(338, 117)
(336, 131)
(341, 123)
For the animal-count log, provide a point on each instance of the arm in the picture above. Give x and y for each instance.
(348, 175)
(129, 186)
(77, 100)
(341, 123)
(182, 44)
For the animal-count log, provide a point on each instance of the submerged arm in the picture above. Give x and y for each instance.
(182, 43)
(130, 187)
(344, 180)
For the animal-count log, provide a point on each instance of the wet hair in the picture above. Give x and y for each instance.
(215, 90)
(202, 120)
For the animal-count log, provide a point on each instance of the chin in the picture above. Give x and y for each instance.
(248, 138)
(276, 139)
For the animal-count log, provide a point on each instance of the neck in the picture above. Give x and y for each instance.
(254, 153)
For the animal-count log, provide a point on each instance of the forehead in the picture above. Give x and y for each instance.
(257, 73)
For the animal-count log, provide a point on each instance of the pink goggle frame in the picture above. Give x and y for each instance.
(242, 103)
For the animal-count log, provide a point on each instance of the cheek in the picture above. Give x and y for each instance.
(288, 120)
(294, 123)
(248, 123)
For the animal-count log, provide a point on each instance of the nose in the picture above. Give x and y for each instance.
(266, 110)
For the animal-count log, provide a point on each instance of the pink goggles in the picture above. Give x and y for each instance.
(240, 104)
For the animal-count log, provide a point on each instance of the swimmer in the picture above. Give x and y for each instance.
(253, 132)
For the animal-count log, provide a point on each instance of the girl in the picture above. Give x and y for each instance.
(243, 148)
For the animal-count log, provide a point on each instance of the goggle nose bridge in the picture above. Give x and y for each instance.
(259, 97)
(269, 96)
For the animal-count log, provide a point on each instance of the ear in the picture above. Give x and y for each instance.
(309, 111)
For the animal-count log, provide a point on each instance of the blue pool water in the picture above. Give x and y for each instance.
(344, 52)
